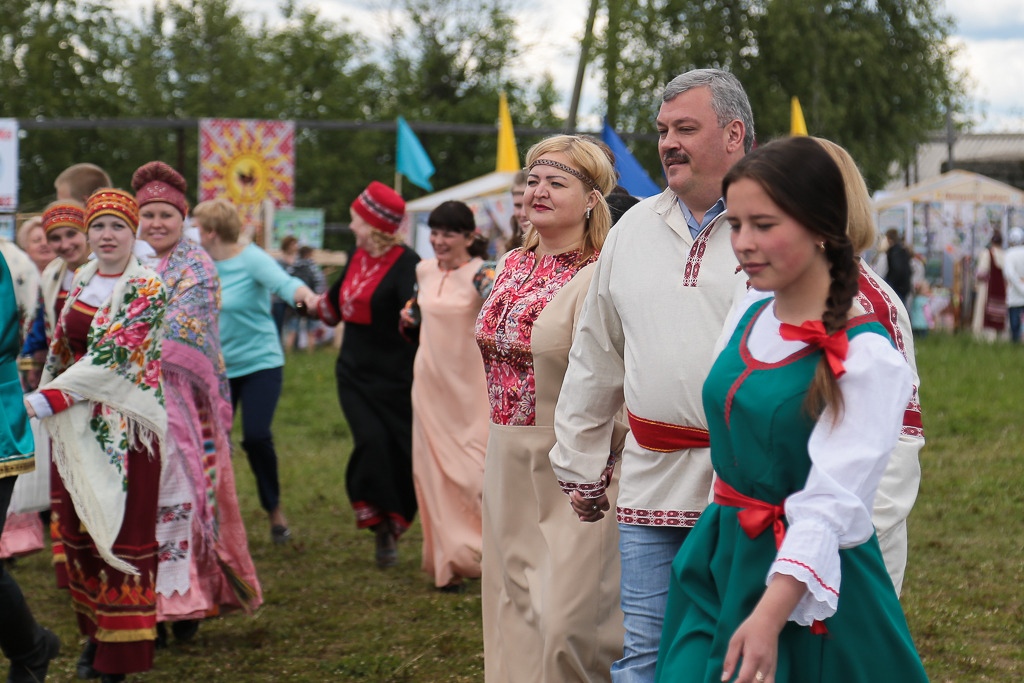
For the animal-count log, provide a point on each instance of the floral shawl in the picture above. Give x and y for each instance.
(121, 405)
(194, 381)
(191, 328)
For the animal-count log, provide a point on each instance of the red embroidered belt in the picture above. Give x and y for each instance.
(664, 437)
(755, 516)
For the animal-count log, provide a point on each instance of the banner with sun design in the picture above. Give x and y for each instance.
(247, 161)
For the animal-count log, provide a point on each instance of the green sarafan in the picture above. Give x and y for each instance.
(331, 615)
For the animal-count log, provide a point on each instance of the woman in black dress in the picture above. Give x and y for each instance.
(374, 369)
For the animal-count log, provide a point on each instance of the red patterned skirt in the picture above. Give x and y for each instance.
(118, 610)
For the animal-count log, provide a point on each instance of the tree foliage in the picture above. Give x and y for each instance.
(443, 61)
(873, 75)
(56, 60)
(449, 61)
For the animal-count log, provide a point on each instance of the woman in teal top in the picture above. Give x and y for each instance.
(249, 341)
(29, 646)
(782, 578)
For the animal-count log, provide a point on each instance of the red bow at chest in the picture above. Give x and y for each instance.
(813, 332)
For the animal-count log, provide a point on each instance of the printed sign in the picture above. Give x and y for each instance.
(307, 225)
(247, 162)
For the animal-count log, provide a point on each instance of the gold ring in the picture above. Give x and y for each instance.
(759, 677)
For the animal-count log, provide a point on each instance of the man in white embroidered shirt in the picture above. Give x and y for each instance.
(663, 289)
(659, 299)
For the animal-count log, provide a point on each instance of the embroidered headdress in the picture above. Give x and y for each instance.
(380, 206)
(158, 182)
(113, 202)
(63, 215)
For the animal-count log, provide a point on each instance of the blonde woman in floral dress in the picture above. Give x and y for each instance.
(550, 584)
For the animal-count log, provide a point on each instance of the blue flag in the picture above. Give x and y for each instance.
(411, 159)
(632, 175)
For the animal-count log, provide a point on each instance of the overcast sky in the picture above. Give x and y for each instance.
(990, 34)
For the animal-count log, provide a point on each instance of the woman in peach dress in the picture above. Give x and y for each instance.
(449, 398)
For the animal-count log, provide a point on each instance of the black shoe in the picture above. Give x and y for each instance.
(112, 678)
(280, 534)
(34, 670)
(185, 630)
(161, 636)
(387, 547)
(452, 588)
(83, 669)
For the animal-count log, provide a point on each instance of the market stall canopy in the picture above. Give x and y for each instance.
(954, 186)
(950, 217)
(497, 182)
(489, 198)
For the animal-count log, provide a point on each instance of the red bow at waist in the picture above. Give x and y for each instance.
(664, 437)
(755, 515)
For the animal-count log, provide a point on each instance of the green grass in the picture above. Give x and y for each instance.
(963, 592)
(330, 615)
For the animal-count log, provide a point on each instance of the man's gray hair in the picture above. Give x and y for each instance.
(728, 98)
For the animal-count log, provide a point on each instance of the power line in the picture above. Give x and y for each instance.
(312, 124)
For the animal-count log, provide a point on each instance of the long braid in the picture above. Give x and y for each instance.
(844, 287)
(824, 390)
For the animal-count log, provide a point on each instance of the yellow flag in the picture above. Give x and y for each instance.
(796, 118)
(508, 155)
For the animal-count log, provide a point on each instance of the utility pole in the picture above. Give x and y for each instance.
(612, 55)
(950, 136)
(588, 38)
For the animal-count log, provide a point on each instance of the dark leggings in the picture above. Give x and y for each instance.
(20, 637)
(258, 393)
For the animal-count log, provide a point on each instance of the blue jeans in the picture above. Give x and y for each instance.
(258, 393)
(647, 554)
(1013, 313)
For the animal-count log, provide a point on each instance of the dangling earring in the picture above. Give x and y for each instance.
(588, 213)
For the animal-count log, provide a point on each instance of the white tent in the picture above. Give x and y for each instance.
(953, 214)
(488, 196)
(950, 219)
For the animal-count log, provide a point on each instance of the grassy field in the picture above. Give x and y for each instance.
(330, 615)
(963, 592)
